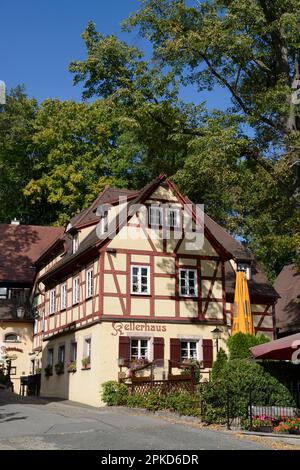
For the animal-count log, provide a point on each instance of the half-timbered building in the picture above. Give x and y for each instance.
(127, 281)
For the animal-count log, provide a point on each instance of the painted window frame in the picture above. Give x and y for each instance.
(152, 220)
(139, 347)
(50, 355)
(3, 293)
(188, 348)
(87, 348)
(52, 301)
(139, 279)
(177, 219)
(61, 357)
(246, 268)
(76, 290)
(89, 283)
(73, 349)
(181, 293)
(16, 336)
(75, 243)
(63, 296)
(103, 223)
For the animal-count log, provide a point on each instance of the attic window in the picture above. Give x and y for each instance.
(3, 292)
(246, 268)
(75, 243)
(104, 223)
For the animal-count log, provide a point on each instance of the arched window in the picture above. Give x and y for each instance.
(11, 338)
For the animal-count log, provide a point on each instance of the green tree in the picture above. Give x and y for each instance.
(17, 155)
(219, 365)
(251, 49)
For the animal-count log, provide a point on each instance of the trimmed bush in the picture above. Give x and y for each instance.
(219, 364)
(240, 343)
(183, 403)
(114, 393)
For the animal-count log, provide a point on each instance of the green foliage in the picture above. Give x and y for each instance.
(240, 378)
(114, 393)
(240, 343)
(183, 403)
(242, 162)
(219, 364)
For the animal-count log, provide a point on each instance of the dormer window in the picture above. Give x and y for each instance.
(75, 243)
(246, 268)
(104, 222)
(3, 292)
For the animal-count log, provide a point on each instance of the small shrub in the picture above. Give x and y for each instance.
(136, 401)
(219, 364)
(240, 343)
(183, 403)
(114, 393)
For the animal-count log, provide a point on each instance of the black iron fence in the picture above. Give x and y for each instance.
(247, 408)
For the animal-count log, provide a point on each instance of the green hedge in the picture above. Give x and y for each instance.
(114, 393)
(182, 402)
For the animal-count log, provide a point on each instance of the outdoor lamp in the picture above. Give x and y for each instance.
(216, 334)
(20, 312)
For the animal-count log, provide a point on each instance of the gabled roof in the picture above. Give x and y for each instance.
(108, 196)
(231, 248)
(20, 247)
(287, 310)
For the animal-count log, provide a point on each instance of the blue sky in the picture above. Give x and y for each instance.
(39, 38)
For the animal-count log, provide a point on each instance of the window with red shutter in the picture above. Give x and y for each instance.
(124, 349)
(207, 353)
(175, 350)
(158, 350)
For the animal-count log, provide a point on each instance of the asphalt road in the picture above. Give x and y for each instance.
(36, 424)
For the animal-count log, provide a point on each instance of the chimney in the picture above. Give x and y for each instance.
(15, 222)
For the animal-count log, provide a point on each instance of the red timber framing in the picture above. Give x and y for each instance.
(101, 251)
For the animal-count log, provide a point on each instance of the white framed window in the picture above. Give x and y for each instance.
(63, 296)
(104, 223)
(89, 283)
(75, 243)
(76, 290)
(11, 338)
(188, 282)
(3, 292)
(173, 217)
(87, 350)
(155, 216)
(52, 307)
(140, 283)
(246, 268)
(139, 348)
(189, 349)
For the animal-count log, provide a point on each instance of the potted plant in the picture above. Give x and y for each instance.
(86, 362)
(59, 368)
(72, 367)
(48, 370)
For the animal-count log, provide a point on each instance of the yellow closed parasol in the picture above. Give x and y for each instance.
(242, 316)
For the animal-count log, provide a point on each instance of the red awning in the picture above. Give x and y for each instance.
(281, 349)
